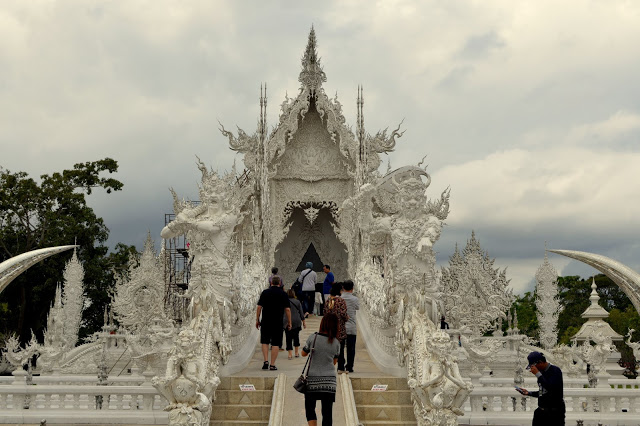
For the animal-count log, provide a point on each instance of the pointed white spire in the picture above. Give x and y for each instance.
(547, 304)
(72, 300)
(312, 76)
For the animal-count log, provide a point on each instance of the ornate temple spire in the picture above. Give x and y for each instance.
(262, 121)
(547, 303)
(475, 293)
(73, 300)
(54, 334)
(312, 76)
(360, 134)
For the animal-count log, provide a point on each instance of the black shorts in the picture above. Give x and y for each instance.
(271, 334)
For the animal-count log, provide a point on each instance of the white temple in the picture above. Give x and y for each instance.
(311, 190)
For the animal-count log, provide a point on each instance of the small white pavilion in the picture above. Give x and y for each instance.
(596, 324)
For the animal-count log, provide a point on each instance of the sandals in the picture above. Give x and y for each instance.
(289, 357)
(297, 356)
(265, 366)
(272, 367)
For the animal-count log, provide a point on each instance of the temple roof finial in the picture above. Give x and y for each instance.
(312, 76)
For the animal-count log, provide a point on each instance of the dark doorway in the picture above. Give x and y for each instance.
(312, 256)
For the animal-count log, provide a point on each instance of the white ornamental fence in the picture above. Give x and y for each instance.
(499, 406)
(494, 401)
(81, 403)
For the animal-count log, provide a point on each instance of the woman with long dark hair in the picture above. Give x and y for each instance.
(336, 305)
(321, 377)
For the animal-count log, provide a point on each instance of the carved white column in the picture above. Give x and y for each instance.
(547, 303)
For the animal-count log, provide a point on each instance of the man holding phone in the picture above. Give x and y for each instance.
(551, 409)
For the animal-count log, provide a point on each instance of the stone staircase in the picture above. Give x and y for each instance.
(236, 407)
(390, 407)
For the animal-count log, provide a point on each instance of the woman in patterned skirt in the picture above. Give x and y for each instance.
(321, 377)
(336, 305)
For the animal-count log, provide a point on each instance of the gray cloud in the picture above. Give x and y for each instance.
(479, 46)
(534, 126)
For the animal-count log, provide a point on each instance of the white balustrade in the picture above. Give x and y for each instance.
(501, 399)
(60, 402)
(531, 382)
(78, 380)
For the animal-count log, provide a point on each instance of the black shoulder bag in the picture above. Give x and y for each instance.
(301, 384)
(297, 286)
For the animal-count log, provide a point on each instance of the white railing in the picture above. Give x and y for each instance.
(381, 347)
(78, 380)
(385, 337)
(578, 383)
(499, 405)
(72, 404)
(80, 397)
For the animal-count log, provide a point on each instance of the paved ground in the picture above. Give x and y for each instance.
(294, 401)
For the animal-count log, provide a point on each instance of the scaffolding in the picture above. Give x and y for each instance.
(177, 272)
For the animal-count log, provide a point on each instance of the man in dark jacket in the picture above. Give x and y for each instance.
(551, 409)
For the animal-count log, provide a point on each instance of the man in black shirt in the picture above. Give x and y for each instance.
(551, 409)
(273, 305)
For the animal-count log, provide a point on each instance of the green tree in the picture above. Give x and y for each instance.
(527, 320)
(573, 293)
(50, 213)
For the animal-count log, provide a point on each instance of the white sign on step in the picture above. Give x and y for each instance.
(379, 388)
(247, 388)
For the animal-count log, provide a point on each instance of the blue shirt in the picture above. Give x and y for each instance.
(328, 282)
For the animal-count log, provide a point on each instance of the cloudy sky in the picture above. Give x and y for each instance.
(530, 111)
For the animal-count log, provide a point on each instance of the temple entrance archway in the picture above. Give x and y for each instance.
(311, 237)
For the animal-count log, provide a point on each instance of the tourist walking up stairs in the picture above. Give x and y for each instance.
(294, 401)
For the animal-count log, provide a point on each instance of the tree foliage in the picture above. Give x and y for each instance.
(525, 306)
(53, 212)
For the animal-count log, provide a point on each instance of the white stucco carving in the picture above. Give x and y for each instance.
(139, 294)
(569, 359)
(223, 291)
(437, 388)
(480, 353)
(138, 305)
(64, 318)
(635, 346)
(72, 300)
(186, 385)
(20, 356)
(596, 355)
(547, 303)
(475, 294)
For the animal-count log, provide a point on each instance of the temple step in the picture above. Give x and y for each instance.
(383, 407)
(238, 404)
